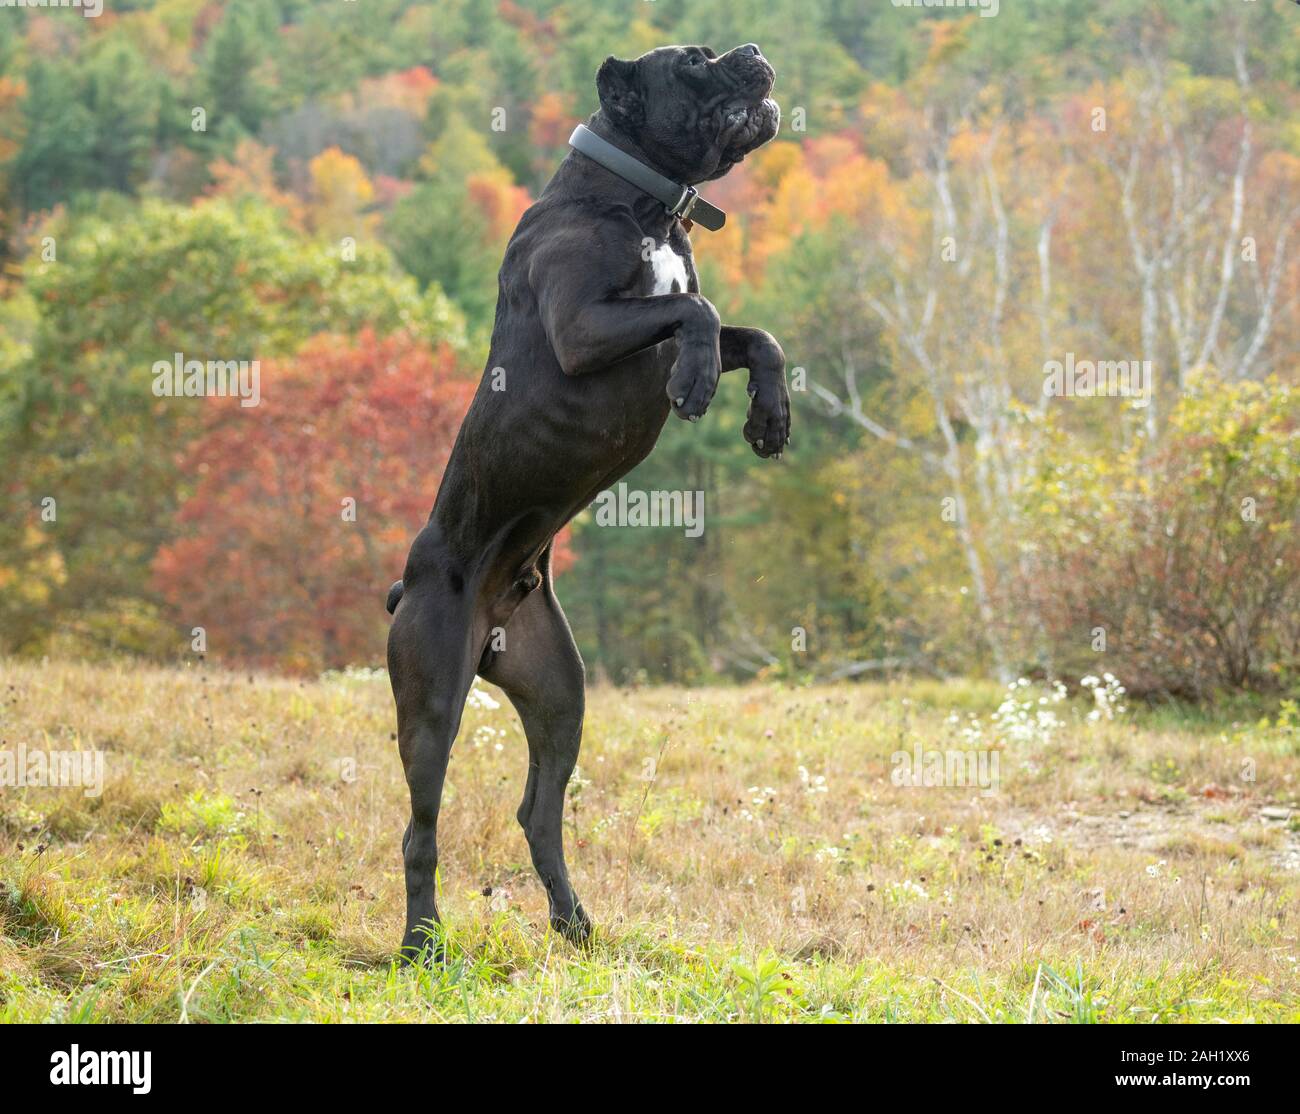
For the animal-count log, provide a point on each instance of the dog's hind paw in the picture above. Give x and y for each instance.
(425, 945)
(576, 929)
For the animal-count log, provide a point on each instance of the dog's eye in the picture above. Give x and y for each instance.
(694, 60)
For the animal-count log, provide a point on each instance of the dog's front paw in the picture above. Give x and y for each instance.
(767, 427)
(694, 379)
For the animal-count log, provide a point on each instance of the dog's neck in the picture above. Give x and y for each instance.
(649, 212)
(601, 125)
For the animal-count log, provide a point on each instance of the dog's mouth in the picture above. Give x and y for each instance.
(748, 125)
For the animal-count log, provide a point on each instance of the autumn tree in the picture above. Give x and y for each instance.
(341, 192)
(79, 420)
(303, 507)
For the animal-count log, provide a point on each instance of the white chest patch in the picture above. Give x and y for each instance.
(669, 271)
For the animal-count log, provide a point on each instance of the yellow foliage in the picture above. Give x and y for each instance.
(39, 569)
(340, 193)
(772, 163)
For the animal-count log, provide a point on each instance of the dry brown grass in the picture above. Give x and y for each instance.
(243, 860)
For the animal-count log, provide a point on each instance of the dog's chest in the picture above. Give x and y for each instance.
(667, 271)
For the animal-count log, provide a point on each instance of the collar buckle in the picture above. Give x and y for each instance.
(684, 204)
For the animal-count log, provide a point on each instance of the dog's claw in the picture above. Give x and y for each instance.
(759, 442)
(681, 400)
(693, 418)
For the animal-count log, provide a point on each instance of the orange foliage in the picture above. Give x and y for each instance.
(551, 124)
(499, 199)
(12, 91)
(408, 90)
(790, 188)
(251, 173)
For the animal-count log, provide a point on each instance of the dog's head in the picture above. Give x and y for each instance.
(695, 114)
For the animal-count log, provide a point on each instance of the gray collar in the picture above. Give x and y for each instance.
(680, 201)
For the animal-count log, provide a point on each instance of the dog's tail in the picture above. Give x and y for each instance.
(394, 596)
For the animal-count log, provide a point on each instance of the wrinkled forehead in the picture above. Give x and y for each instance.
(663, 60)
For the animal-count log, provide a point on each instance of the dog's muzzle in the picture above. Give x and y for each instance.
(744, 126)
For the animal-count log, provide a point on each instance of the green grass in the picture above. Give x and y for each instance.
(242, 862)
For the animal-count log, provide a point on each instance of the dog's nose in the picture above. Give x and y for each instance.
(751, 49)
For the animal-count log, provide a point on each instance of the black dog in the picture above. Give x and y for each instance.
(600, 331)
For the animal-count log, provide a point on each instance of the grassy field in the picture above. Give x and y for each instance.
(744, 852)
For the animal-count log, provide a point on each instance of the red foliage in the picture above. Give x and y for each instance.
(389, 191)
(272, 563)
(537, 30)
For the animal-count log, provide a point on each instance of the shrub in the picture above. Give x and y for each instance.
(1183, 564)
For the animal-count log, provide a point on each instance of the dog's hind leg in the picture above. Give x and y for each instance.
(431, 659)
(541, 672)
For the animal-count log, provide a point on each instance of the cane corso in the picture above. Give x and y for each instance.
(600, 332)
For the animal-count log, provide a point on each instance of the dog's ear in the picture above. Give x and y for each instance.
(619, 96)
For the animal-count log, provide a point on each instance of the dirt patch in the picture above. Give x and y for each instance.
(1156, 828)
